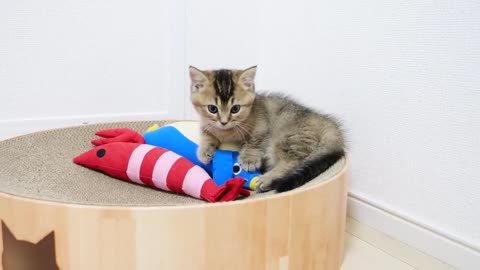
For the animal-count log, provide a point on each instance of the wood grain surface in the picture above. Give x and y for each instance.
(297, 230)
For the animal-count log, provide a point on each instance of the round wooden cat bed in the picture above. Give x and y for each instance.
(58, 215)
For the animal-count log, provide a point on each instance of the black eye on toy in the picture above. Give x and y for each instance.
(236, 169)
(101, 153)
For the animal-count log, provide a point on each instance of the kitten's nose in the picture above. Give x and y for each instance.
(223, 123)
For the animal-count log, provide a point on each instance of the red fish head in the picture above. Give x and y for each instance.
(111, 158)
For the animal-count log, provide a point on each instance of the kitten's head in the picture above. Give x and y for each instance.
(223, 98)
(23, 255)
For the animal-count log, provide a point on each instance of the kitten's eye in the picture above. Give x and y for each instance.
(212, 108)
(235, 109)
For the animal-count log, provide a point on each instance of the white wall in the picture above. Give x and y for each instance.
(403, 76)
(70, 62)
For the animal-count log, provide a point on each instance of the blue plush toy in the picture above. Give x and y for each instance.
(224, 164)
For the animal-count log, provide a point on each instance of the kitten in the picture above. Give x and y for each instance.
(289, 142)
(23, 255)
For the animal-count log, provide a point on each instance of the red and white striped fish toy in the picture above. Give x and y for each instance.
(159, 168)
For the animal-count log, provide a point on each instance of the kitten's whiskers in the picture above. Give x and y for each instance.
(235, 128)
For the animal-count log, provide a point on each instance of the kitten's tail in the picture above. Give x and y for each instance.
(310, 169)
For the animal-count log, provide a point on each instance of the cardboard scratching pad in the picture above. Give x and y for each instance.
(55, 213)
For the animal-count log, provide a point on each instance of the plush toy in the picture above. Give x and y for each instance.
(224, 164)
(159, 168)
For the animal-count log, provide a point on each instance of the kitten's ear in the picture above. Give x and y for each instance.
(6, 233)
(247, 78)
(48, 242)
(198, 78)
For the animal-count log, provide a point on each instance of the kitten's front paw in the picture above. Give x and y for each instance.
(205, 153)
(250, 159)
(263, 184)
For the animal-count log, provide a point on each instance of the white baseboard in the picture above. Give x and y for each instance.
(15, 127)
(453, 252)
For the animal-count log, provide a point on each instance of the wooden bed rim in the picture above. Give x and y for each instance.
(301, 229)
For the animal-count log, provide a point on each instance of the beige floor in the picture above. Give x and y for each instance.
(369, 249)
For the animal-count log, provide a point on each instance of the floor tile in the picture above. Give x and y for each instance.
(360, 255)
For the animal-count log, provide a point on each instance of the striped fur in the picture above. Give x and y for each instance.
(292, 142)
(223, 84)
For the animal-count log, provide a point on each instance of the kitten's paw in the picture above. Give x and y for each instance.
(250, 160)
(205, 153)
(263, 184)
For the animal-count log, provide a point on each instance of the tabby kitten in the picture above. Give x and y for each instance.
(289, 142)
